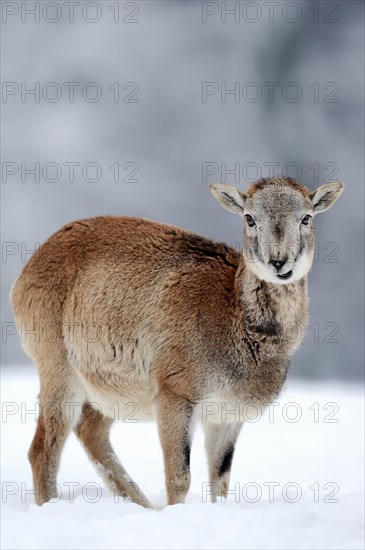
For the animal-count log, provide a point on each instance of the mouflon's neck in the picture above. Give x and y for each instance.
(272, 309)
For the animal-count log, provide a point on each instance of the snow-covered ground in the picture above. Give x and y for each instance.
(297, 481)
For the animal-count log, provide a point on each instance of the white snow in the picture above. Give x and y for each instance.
(294, 484)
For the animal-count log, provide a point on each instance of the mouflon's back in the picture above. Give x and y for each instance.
(120, 273)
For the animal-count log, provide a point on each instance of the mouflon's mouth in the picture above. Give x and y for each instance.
(285, 275)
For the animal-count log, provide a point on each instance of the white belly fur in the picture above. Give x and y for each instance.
(138, 406)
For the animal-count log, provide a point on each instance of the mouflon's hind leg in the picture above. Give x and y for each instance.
(52, 429)
(220, 440)
(93, 431)
(44, 456)
(174, 416)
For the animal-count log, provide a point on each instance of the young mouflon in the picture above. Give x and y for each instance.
(117, 311)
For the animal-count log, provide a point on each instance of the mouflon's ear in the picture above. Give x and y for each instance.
(229, 197)
(325, 196)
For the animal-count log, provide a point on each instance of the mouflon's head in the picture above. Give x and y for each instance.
(278, 235)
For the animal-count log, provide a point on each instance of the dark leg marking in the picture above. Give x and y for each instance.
(226, 462)
(187, 455)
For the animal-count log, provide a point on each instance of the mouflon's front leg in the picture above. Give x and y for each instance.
(220, 440)
(174, 415)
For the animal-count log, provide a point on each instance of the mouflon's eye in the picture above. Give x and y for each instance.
(250, 221)
(305, 220)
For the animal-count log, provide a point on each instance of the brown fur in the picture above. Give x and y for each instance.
(132, 311)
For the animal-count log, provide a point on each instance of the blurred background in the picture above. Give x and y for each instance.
(134, 108)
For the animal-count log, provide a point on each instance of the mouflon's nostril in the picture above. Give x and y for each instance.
(278, 264)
